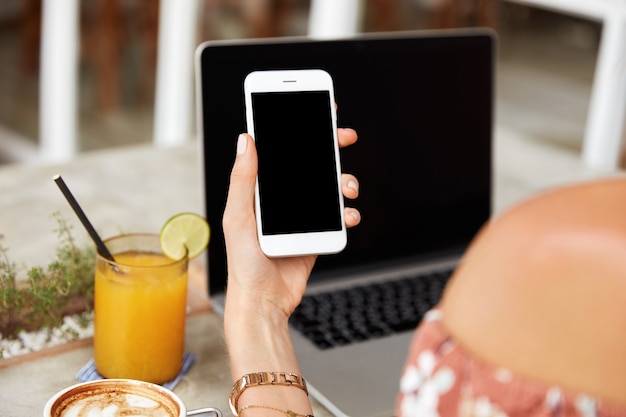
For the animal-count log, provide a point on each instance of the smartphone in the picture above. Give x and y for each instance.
(299, 206)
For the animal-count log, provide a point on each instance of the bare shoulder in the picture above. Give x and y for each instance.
(541, 290)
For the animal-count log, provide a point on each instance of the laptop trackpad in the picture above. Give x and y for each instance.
(353, 379)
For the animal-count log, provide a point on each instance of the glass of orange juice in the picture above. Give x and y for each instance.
(139, 310)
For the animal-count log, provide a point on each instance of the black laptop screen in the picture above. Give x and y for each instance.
(422, 106)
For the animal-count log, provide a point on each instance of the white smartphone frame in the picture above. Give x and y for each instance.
(308, 242)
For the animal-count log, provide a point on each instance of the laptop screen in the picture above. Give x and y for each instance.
(421, 103)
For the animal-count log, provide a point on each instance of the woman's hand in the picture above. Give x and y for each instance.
(274, 283)
(263, 292)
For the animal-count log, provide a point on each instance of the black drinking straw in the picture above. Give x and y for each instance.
(102, 249)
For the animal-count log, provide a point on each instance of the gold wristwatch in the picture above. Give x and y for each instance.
(264, 378)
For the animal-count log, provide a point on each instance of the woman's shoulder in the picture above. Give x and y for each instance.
(541, 289)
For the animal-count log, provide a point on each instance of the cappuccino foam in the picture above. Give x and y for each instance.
(115, 402)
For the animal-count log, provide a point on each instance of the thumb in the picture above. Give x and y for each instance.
(246, 159)
(240, 201)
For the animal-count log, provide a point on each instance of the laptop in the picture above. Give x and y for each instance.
(422, 104)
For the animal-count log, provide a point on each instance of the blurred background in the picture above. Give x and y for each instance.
(546, 62)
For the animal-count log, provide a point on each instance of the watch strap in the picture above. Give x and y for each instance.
(263, 378)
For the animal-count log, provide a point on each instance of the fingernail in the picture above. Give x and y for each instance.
(242, 144)
(353, 185)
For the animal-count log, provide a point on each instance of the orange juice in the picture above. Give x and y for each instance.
(140, 308)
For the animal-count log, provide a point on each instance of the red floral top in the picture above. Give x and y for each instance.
(441, 379)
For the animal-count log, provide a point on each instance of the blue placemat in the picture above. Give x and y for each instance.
(89, 372)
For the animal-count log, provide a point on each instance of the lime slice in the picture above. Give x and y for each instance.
(184, 230)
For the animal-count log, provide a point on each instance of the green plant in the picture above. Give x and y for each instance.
(64, 287)
(11, 297)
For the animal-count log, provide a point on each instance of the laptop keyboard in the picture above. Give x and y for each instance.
(357, 314)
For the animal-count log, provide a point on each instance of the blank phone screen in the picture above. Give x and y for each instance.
(298, 188)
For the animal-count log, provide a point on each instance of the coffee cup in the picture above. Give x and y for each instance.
(119, 397)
